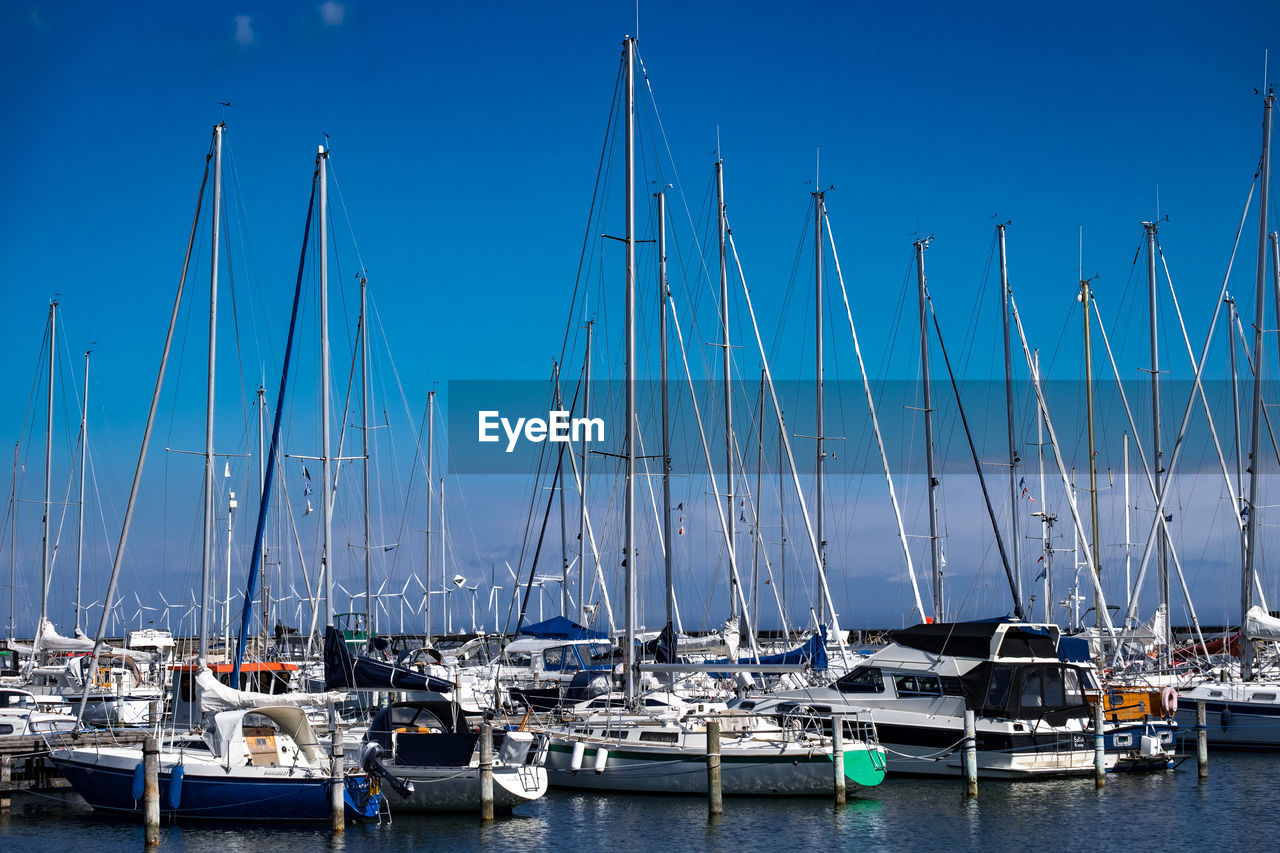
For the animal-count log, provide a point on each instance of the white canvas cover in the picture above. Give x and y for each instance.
(1260, 625)
(215, 697)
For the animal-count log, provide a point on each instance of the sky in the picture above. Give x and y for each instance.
(467, 182)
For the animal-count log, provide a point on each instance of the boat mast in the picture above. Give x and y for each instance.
(326, 502)
(1232, 321)
(564, 534)
(1046, 520)
(13, 535)
(447, 617)
(726, 377)
(46, 562)
(262, 488)
(84, 452)
(1255, 461)
(364, 451)
(1014, 460)
(582, 485)
(206, 564)
(426, 569)
(666, 430)
(819, 203)
(1086, 296)
(629, 539)
(759, 503)
(935, 545)
(1162, 566)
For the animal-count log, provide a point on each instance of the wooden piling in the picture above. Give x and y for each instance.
(837, 756)
(6, 779)
(1202, 741)
(151, 791)
(337, 804)
(970, 755)
(486, 772)
(715, 800)
(1099, 745)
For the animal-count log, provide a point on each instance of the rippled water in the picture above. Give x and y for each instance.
(1235, 810)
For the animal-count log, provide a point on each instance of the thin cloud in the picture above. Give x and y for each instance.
(332, 13)
(244, 30)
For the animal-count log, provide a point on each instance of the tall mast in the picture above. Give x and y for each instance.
(1008, 397)
(445, 615)
(1162, 566)
(46, 562)
(727, 379)
(262, 487)
(426, 569)
(364, 451)
(759, 503)
(1232, 324)
(1046, 520)
(206, 564)
(326, 502)
(819, 202)
(629, 539)
(564, 534)
(935, 545)
(666, 429)
(1086, 296)
(84, 453)
(13, 536)
(582, 486)
(1255, 459)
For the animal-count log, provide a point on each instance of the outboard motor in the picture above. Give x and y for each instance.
(370, 762)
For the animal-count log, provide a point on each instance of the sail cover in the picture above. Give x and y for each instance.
(216, 697)
(1260, 625)
(560, 628)
(343, 669)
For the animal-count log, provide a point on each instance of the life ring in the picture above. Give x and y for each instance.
(1169, 699)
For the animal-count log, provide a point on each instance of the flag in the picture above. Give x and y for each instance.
(226, 470)
(308, 510)
(1244, 513)
(680, 506)
(767, 581)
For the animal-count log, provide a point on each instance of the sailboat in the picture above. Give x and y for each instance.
(1245, 714)
(258, 757)
(657, 741)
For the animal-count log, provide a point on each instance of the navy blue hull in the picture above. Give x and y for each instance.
(277, 798)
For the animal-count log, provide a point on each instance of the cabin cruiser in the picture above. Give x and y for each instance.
(1031, 714)
(20, 715)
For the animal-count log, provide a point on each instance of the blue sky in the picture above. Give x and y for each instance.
(465, 142)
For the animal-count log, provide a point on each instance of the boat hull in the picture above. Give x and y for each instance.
(763, 772)
(108, 785)
(454, 789)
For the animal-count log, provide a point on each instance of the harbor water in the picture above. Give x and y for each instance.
(1234, 810)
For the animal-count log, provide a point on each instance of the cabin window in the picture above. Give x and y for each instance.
(6, 729)
(1071, 686)
(553, 658)
(917, 685)
(1054, 694)
(998, 687)
(660, 737)
(863, 679)
(521, 659)
(1031, 697)
(1124, 740)
(1264, 697)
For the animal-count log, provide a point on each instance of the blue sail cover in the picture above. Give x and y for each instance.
(343, 669)
(811, 653)
(560, 628)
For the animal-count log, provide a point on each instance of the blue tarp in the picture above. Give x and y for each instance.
(812, 653)
(1073, 650)
(560, 628)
